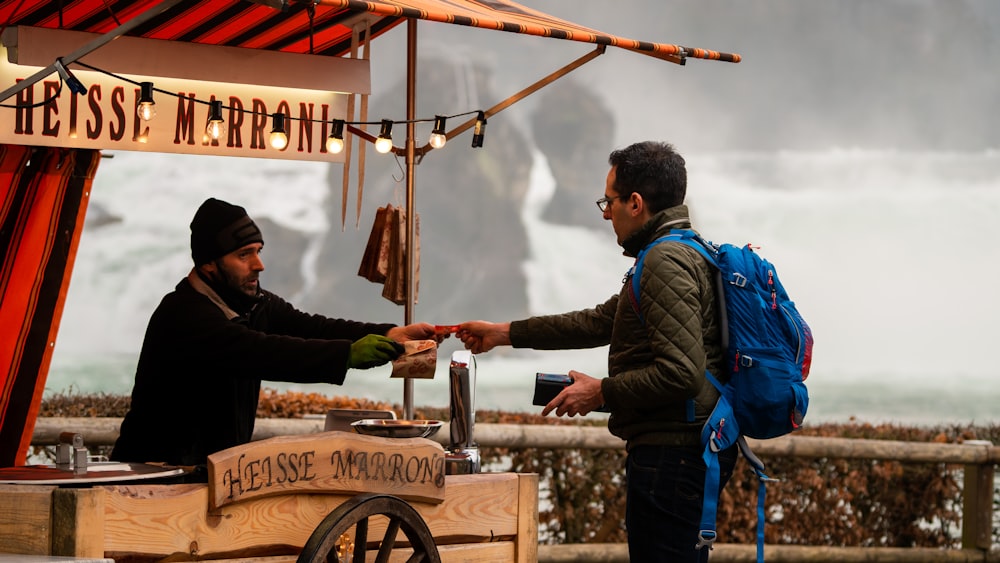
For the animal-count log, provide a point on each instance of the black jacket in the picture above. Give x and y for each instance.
(200, 369)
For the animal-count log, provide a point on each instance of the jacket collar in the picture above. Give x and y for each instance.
(203, 288)
(671, 218)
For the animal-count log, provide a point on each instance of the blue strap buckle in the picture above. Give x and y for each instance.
(705, 539)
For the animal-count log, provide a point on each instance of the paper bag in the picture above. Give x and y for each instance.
(375, 260)
(418, 360)
(396, 278)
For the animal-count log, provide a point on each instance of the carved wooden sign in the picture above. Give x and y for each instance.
(328, 462)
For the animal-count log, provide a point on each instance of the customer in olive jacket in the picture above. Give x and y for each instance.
(211, 342)
(656, 392)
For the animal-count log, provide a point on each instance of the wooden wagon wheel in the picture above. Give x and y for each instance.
(322, 544)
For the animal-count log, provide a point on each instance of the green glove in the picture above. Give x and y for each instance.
(373, 350)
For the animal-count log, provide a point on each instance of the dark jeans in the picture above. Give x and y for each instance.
(663, 508)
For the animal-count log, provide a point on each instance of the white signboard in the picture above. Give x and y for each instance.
(104, 117)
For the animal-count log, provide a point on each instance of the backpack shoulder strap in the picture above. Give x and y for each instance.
(683, 236)
(634, 275)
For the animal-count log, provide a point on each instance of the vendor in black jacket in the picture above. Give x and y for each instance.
(213, 339)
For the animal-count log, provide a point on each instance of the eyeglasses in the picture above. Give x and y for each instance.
(605, 201)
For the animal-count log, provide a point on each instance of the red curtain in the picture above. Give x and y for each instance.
(44, 195)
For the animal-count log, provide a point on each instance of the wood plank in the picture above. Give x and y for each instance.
(78, 522)
(462, 553)
(490, 552)
(527, 518)
(104, 431)
(25, 519)
(744, 553)
(265, 559)
(161, 520)
(156, 520)
(338, 462)
(977, 506)
(480, 508)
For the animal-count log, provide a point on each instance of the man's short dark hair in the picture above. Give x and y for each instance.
(652, 169)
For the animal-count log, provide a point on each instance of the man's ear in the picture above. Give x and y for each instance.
(636, 201)
(639, 207)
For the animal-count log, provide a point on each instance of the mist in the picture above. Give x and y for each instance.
(905, 74)
(855, 142)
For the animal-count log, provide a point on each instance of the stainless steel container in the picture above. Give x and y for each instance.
(462, 456)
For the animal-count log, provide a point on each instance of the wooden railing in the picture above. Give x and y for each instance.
(978, 458)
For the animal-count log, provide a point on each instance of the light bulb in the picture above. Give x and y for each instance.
(334, 145)
(479, 132)
(384, 142)
(383, 145)
(438, 137)
(278, 138)
(215, 129)
(146, 109)
(335, 142)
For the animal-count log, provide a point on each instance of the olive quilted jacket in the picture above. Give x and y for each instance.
(656, 390)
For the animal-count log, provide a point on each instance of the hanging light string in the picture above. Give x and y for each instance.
(279, 132)
(48, 100)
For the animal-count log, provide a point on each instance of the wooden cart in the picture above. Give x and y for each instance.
(288, 499)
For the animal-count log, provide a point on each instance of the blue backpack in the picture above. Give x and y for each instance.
(768, 354)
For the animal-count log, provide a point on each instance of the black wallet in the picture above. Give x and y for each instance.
(547, 386)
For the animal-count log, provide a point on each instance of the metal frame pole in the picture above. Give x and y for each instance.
(411, 239)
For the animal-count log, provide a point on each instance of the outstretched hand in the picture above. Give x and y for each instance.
(483, 336)
(373, 350)
(415, 331)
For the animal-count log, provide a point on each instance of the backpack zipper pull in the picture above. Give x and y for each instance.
(628, 274)
(736, 362)
(774, 292)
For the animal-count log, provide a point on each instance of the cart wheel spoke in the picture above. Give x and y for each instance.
(388, 541)
(361, 541)
(354, 514)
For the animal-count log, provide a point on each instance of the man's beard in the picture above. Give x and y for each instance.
(237, 285)
(233, 292)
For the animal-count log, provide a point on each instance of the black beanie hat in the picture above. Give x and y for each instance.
(219, 228)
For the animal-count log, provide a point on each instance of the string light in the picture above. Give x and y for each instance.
(216, 128)
(438, 137)
(146, 109)
(279, 137)
(335, 142)
(480, 131)
(384, 142)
